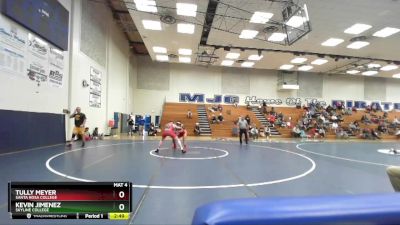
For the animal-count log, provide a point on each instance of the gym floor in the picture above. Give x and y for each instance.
(169, 186)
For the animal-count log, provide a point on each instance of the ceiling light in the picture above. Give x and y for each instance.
(255, 57)
(386, 32)
(389, 67)
(396, 75)
(369, 73)
(146, 5)
(358, 44)
(185, 28)
(186, 9)
(261, 17)
(227, 62)
(298, 60)
(374, 65)
(276, 37)
(232, 55)
(357, 28)
(286, 67)
(352, 71)
(296, 21)
(290, 86)
(248, 34)
(157, 49)
(184, 59)
(185, 51)
(248, 64)
(162, 58)
(151, 24)
(319, 61)
(305, 68)
(331, 42)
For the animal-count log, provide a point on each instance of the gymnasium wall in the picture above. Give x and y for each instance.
(183, 78)
(95, 42)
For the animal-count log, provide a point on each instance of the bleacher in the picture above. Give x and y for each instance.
(177, 112)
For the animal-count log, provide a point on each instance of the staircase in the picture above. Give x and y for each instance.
(264, 121)
(205, 129)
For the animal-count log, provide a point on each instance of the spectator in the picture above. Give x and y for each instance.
(254, 132)
(235, 130)
(243, 129)
(87, 135)
(374, 134)
(366, 134)
(334, 126)
(247, 118)
(248, 106)
(131, 123)
(394, 175)
(321, 132)
(220, 118)
(95, 133)
(152, 130)
(341, 134)
(213, 119)
(296, 131)
(235, 104)
(220, 107)
(396, 121)
(197, 129)
(189, 114)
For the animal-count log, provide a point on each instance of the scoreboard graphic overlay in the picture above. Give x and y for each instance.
(70, 200)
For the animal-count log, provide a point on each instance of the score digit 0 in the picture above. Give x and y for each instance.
(121, 194)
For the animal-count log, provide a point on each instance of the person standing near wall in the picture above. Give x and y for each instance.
(79, 129)
(243, 129)
(131, 123)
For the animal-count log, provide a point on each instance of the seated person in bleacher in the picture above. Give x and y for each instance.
(152, 130)
(382, 127)
(189, 114)
(213, 119)
(396, 121)
(271, 118)
(254, 132)
(87, 134)
(248, 105)
(296, 131)
(366, 134)
(365, 119)
(235, 104)
(95, 133)
(247, 118)
(348, 111)
(197, 129)
(220, 107)
(220, 118)
(397, 133)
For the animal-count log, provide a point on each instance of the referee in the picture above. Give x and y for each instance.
(243, 129)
